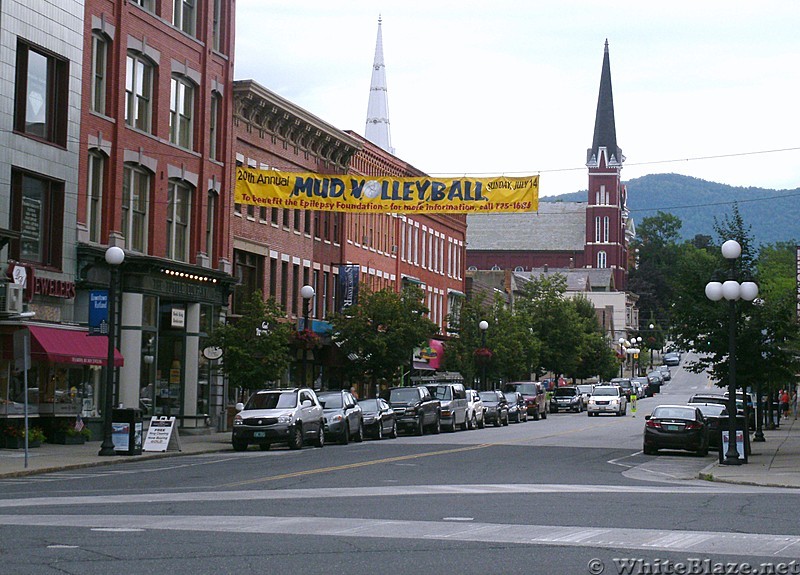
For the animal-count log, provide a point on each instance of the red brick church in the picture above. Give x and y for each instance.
(593, 234)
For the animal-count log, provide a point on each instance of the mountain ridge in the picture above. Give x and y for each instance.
(773, 215)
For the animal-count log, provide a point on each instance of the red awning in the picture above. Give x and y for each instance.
(73, 347)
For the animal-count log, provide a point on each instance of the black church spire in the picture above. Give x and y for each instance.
(605, 131)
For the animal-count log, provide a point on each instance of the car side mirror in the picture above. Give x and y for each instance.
(240, 406)
(647, 417)
(307, 403)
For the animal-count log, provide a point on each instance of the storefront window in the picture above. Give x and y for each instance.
(147, 376)
(12, 391)
(62, 389)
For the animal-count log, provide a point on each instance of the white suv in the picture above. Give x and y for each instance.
(291, 416)
(607, 399)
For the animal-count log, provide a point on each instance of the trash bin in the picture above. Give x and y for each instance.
(126, 431)
(742, 437)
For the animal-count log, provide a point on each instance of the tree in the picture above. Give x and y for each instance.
(380, 332)
(255, 345)
(594, 355)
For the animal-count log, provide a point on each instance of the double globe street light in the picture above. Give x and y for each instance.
(732, 290)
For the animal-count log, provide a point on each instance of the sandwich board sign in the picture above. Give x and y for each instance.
(162, 435)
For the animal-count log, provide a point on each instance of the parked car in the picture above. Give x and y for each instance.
(415, 409)
(379, 421)
(643, 383)
(723, 400)
(713, 414)
(625, 384)
(672, 358)
(585, 390)
(496, 407)
(665, 372)
(750, 400)
(517, 410)
(607, 399)
(475, 410)
(536, 400)
(566, 399)
(291, 416)
(453, 404)
(675, 427)
(343, 418)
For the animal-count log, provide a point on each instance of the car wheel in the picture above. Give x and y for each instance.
(239, 445)
(506, 420)
(649, 450)
(263, 446)
(465, 426)
(345, 438)
(437, 426)
(296, 437)
(360, 434)
(320, 441)
(703, 451)
(536, 415)
(420, 427)
(379, 432)
(482, 422)
(393, 432)
(498, 421)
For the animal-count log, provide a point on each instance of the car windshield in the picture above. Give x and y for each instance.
(272, 400)
(404, 395)
(369, 405)
(673, 413)
(441, 392)
(488, 396)
(585, 388)
(331, 400)
(525, 388)
(603, 391)
(511, 396)
(714, 410)
(565, 392)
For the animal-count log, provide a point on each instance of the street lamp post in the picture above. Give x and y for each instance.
(651, 347)
(731, 290)
(114, 258)
(306, 292)
(483, 325)
(622, 356)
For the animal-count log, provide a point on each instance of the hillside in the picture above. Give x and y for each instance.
(774, 215)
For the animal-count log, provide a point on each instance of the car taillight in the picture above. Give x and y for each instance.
(693, 425)
(653, 424)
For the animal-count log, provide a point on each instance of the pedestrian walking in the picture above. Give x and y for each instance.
(785, 403)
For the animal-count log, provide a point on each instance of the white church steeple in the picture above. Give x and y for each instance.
(377, 128)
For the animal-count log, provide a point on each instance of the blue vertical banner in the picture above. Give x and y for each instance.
(348, 285)
(98, 312)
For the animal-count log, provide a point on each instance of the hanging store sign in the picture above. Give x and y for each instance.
(369, 195)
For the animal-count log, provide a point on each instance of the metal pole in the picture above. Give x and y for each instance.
(304, 364)
(107, 447)
(483, 362)
(759, 436)
(732, 455)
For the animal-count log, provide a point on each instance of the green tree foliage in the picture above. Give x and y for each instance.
(594, 356)
(252, 355)
(380, 332)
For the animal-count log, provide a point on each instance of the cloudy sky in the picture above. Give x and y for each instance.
(709, 88)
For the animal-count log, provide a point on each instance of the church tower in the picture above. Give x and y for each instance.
(377, 128)
(606, 212)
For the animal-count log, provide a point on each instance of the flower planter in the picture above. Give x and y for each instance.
(61, 438)
(19, 443)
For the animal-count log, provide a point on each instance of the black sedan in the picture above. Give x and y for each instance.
(496, 407)
(676, 427)
(517, 410)
(379, 420)
(712, 412)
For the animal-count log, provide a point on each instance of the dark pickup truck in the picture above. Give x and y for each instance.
(415, 409)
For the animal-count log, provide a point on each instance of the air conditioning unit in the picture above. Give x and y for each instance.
(11, 296)
(394, 248)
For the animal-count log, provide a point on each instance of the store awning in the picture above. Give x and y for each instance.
(68, 346)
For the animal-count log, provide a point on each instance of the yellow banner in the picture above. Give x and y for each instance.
(368, 195)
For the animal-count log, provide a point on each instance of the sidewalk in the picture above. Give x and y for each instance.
(51, 457)
(774, 463)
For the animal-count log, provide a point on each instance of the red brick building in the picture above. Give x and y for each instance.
(156, 181)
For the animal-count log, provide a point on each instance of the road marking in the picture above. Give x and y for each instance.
(702, 542)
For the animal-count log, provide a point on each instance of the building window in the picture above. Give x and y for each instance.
(184, 16)
(248, 269)
(135, 195)
(146, 4)
(216, 31)
(94, 193)
(605, 229)
(597, 231)
(41, 101)
(37, 214)
(211, 217)
(602, 260)
(214, 146)
(99, 73)
(181, 112)
(179, 208)
(138, 92)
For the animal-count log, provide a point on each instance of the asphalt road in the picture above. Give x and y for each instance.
(569, 494)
